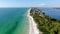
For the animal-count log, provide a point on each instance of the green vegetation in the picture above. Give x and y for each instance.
(46, 24)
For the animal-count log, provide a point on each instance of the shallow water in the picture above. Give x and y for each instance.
(13, 21)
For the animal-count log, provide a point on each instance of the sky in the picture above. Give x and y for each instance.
(28, 3)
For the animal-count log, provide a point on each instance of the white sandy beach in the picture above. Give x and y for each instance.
(32, 25)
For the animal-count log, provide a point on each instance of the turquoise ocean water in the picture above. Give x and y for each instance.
(13, 21)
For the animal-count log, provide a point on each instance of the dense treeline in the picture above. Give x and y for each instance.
(46, 24)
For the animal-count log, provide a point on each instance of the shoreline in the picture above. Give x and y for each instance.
(32, 25)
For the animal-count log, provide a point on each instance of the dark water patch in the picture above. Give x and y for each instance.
(50, 11)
